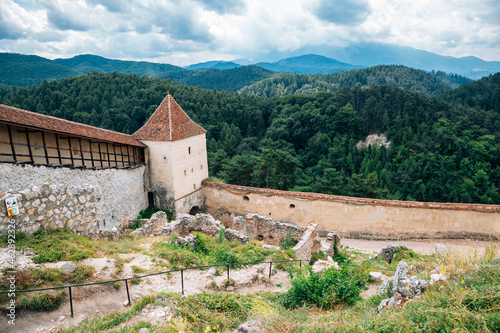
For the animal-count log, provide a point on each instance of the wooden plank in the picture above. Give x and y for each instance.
(58, 148)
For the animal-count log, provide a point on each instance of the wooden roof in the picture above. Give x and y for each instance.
(168, 123)
(19, 117)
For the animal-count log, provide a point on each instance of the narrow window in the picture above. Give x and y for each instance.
(189, 150)
(292, 206)
(245, 198)
(185, 173)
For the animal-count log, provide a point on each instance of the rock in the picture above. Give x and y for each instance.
(125, 303)
(249, 327)
(66, 266)
(376, 276)
(386, 252)
(230, 288)
(321, 265)
(212, 271)
(144, 330)
(440, 250)
(437, 278)
(62, 318)
(270, 247)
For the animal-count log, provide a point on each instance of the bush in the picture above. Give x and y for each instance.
(148, 212)
(288, 241)
(43, 302)
(325, 290)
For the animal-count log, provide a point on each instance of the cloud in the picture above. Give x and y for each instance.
(342, 12)
(114, 6)
(224, 6)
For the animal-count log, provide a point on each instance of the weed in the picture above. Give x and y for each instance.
(42, 302)
(81, 274)
(288, 241)
(325, 290)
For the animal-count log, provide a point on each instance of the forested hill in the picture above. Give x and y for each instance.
(26, 70)
(21, 70)
(393, 75)
(439, 151)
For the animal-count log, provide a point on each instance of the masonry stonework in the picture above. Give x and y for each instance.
(82, 200)
(355, 217)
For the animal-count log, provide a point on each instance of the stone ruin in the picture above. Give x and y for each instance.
(245, 228)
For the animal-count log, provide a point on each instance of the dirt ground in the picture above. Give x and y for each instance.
(95, 301)
(462, 246)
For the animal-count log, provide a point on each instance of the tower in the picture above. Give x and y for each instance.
(177, 158)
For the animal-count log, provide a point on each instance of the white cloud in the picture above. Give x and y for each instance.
(188, 31)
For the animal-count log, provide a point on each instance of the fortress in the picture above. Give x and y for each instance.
(66, 174)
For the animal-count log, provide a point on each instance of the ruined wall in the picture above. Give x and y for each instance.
(355, 217)
(308, 243)
(83, 200)
(266, 229)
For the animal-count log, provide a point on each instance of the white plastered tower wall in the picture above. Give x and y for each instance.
(177, 158)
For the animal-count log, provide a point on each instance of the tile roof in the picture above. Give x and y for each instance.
(19, 117)
(168, 123)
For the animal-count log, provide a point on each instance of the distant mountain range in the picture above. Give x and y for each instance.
(275, 73)
(371, 54)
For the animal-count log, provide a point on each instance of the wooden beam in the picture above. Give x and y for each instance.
(71, 152)
(12, 144)
(81, 151)
(58, 148)
(45, 148)
(29, 147)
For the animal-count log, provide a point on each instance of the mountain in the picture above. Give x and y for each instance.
(397, 76)
(482, 94)
(27, 70)
(231, 79)
(88, 63)
(214, 64)
(371, 54)
(307, 64)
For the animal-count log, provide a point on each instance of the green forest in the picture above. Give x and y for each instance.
(445, 143)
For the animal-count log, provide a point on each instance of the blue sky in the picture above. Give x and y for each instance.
(191, 31)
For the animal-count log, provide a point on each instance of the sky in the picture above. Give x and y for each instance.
(183, 32)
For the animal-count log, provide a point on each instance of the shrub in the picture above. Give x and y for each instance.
(288, 241)
(148, 212)
(326, 290)
(42, 302)
(81, 274)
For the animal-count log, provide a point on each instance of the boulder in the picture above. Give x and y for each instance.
(249, 327)
(66, 266)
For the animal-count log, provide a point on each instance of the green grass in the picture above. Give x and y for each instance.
(212, 251)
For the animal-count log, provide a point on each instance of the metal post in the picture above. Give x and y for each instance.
(270, 267)
(300, 262)
(182, 280)
(71, 301)
(227, 273)
(128, 294)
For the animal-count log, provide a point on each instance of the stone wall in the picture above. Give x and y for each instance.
(88, 199)
(355, 217)
(266, 229)
(308, 243)
(53, 207)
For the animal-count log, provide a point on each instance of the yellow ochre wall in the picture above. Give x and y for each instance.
(355, 217)
(177, 169)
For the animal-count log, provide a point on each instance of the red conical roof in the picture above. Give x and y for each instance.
(168, 123)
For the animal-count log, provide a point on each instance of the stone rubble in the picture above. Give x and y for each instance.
(246, 228)
(386, 253)
(249, 327)
(321, 265)
(403, 286)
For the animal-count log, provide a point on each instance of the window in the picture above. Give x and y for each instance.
(189, 150)
(245, 198)
(292, 206)
(185, 173)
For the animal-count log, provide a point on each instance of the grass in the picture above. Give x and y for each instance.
(469, 301)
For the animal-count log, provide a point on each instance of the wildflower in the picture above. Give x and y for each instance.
(407, 287)
(462, 282)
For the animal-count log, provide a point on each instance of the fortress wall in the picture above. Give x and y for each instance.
(83, 200)
(355, 217)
